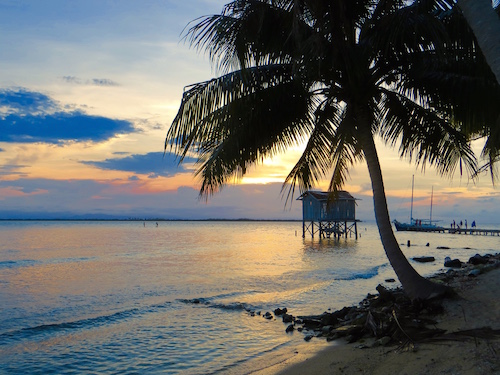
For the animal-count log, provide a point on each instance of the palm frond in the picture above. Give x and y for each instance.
(316, 160)
(394, 31)
(238, 119)
(207, 108)
(248, 32)
(346, 152)
(425, 137)
(491, 151)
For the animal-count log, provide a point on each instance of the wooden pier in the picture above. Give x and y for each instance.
(474, 231)
(468, 231)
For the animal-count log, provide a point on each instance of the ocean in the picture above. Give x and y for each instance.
(187, 297)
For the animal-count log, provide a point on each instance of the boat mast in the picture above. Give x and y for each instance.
(432, 193)
(411, 207)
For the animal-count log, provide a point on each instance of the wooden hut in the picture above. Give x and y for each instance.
(329, 217)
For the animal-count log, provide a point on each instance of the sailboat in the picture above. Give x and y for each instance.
(418, 225)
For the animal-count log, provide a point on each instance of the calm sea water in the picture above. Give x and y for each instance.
(177, 298)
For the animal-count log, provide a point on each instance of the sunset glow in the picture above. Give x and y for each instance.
(87, 93)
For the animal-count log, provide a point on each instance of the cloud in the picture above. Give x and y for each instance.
(44, 198)
(153, 164)
(29, 117)
(22, 102)
(92, 82)
(10, 169)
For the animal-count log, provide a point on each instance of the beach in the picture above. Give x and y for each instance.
(476, 306)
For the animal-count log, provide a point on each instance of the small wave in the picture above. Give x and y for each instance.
(234, 306)
(231, 306)
(9, 264)
(70, 260)
(210, 300)
(64, 326)
(88, 323)
(233, 294)
(363, 274)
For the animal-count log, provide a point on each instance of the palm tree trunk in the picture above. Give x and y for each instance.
(485, 24)
(414, 285)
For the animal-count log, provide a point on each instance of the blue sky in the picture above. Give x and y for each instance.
(87, 92)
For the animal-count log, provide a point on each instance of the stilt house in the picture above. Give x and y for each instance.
(328, 217)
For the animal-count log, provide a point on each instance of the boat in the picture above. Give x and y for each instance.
(418, 225)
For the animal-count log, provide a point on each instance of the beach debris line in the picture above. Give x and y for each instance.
(390, 317)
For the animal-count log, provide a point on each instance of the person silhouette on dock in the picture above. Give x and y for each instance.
(465, 223)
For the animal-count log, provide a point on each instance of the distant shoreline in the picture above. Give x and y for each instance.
(156, 219)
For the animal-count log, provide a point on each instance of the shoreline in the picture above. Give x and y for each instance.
(476, 306)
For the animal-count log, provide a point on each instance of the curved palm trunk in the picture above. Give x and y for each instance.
(415, 286)
(485, 24)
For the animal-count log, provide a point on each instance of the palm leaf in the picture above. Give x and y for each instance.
(424, 136)
(238, 119)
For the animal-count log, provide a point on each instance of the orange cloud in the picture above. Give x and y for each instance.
(13, 191)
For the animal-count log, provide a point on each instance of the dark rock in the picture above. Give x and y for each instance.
(424, 259)
(384, 293)
(347, 330)
(427, 244)
(290, 328)
(268, 315)
(310, 322)
(287, 318)
(478, 259)
(443, 247)
(452, 263)
(325, 319)
(340, 314)
(279, 312)
(326, 329)
(390, 280)
(475, 272)
(308, 337)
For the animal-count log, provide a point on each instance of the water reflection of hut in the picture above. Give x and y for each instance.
(329, 215)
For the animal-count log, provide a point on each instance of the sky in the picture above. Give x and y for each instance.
(88, 89)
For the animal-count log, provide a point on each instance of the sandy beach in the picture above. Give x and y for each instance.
(476, 306)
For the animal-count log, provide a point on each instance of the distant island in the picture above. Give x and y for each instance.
(146, 219)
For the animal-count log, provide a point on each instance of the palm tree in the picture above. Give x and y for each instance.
(486, 25)
(334, 73)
